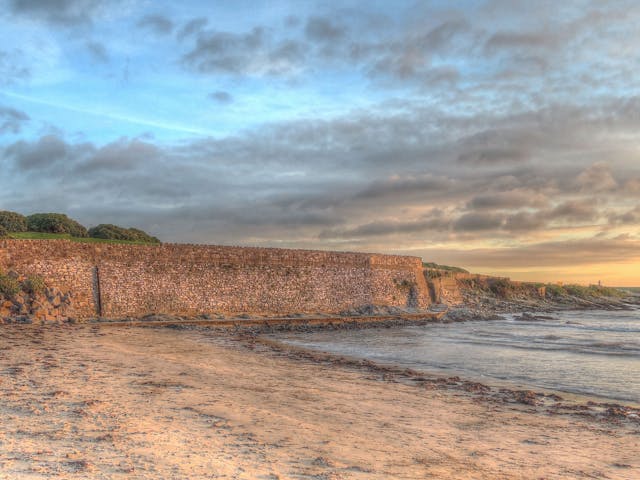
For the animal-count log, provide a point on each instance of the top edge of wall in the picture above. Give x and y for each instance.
(126, 246)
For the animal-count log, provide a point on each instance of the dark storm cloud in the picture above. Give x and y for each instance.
(63, 13)
(156, 23)
(11, 120)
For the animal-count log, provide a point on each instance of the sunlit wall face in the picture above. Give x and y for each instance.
(497, 135)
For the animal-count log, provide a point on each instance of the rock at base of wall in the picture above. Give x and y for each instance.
(49, 305)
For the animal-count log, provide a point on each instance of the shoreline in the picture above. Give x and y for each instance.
(547, 400)
(366, 317)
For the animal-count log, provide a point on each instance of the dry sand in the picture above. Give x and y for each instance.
(105, 402)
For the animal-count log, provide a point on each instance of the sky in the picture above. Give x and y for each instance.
(498, 135)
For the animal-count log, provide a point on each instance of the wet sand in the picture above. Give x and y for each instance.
(148, 403)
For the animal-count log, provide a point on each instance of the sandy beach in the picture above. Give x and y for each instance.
(146, 403)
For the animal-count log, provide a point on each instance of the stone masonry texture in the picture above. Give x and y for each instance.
(117, 281)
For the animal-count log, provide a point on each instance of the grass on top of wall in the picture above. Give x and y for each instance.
(66, 236)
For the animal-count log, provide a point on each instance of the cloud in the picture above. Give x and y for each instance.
(122, 155)
(575, 210)
(474, 222)
(630, 217)
(12, 67)
(405, 185)
(597, 178)
(192, 27)
(65, 13)
(98, 52)
(493, 155)
(524, 222)
(225, 52)
(632, 186)
(434, 220)
(463, 53)
(221, 97)
(507, 200)
(45, 153)
(571, 253)
(323, 29)
(367, 174)
(410, 55)
(156, 23)
(11, 120)
(523, 41)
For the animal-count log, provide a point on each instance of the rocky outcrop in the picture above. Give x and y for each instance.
(470, 296)
(26, 304)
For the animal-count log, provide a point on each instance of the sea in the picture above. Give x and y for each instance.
(592, 353)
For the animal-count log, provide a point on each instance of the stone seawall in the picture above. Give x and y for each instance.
(112, 280)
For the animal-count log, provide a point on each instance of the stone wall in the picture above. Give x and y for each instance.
(130, 280)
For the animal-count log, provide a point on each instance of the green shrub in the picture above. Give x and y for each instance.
(114, 232)
(611, 292)
(55, 223)
(141, 236)
(34, 284)
(9, 286)
(579, 291)
(556, 290)
(4, 233)
(13, 222)
(449, 268)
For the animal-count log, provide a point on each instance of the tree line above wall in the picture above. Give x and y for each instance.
(59, 225)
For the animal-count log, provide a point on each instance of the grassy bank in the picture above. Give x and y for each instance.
(66, 236)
